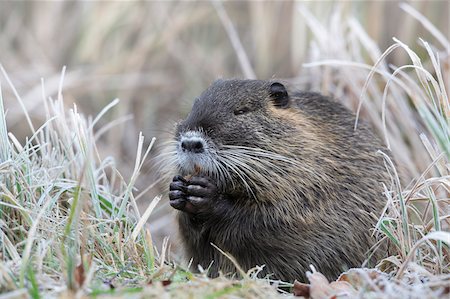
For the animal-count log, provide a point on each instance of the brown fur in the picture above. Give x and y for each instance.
(314, 201)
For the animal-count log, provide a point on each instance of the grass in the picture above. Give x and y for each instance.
(63, 208)
(72, 225)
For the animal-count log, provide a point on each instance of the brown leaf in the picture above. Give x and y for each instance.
(166, 282)
(320, 287)
(358, 278)
(80, 271)
(343, 288)
(80, 274)
(301, 289)
(446, 290)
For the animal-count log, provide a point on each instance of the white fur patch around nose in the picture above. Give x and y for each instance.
(193, 137)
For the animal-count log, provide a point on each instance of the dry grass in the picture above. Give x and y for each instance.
(70, 225)
(73, 225)
(157, 57)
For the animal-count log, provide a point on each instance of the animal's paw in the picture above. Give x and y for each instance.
(195, 195)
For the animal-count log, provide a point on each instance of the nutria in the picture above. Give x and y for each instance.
(277, 178)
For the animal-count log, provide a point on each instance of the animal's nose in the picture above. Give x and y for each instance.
(194, 146)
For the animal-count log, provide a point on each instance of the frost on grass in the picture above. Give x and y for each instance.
(409, 106)
(68, 218)
(416, 220)
(69, 223)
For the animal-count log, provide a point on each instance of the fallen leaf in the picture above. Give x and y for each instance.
(80, 274)
(301, 289)
(361, 278)
(320, 287)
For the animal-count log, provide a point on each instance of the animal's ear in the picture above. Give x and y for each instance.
(279, 95)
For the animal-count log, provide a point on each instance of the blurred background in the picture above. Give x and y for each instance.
(156, 57)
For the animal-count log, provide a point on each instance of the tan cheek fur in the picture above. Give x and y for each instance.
(297, 119)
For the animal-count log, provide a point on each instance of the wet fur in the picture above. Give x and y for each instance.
(296, 185)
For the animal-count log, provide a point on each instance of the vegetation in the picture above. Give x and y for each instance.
(72, 225)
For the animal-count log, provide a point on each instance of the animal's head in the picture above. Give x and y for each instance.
(234, 130)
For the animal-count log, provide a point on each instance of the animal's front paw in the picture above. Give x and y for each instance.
(177, 192)
(195, 196)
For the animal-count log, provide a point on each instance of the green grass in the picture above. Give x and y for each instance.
(72, 225)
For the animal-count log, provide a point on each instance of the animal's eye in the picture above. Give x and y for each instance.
(242, 110)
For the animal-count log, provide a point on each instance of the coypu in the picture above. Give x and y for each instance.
(275, 177)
